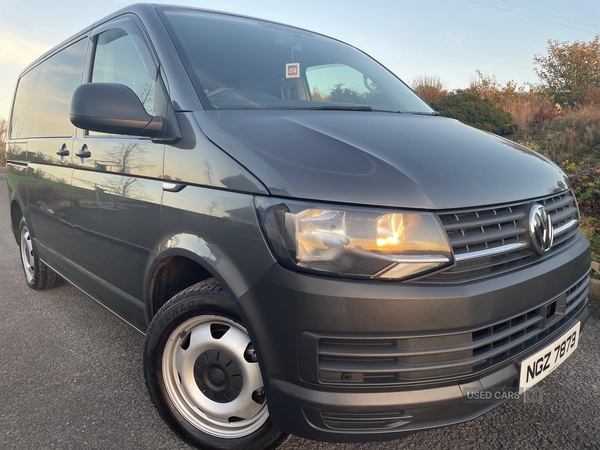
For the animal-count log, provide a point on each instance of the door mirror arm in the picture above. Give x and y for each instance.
(171, 130)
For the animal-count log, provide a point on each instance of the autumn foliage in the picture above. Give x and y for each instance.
(429, 87)
(570, 67)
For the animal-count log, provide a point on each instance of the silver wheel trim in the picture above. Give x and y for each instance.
(27, 257)
(203, 413)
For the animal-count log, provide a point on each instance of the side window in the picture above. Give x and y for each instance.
(123, 58)
(44, 94)
(343, 84)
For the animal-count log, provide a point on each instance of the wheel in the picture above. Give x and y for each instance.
(37, 274)
(202, 373)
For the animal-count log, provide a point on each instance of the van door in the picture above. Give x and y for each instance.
(117, 186)
(41, 120)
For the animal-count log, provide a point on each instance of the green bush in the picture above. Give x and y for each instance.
(472, 110)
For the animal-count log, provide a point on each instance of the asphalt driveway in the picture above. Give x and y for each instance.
(71, 378)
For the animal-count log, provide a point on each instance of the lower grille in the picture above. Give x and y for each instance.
(388, 360)
(364, 421)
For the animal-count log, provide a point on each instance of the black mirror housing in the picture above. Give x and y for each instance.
(112, 108)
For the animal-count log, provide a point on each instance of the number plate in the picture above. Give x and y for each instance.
(540, 365)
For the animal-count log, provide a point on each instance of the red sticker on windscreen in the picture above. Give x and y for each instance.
(292, 70)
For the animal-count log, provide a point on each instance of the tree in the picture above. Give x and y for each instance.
(473, 110)
(570, 67)
(488, 87)
(3, 130)
(429, 87)
(318, 96)
(3, 137)
(342, 94)
(146, 96)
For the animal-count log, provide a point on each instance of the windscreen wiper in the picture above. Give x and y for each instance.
(423, 113)
(340, 108)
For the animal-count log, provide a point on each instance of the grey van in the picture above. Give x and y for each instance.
(307, 246)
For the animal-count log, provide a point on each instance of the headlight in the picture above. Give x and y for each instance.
(353, 241)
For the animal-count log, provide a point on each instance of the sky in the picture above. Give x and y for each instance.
(449, 38)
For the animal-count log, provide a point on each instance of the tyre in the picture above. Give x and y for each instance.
(202, 373)
(37, 274)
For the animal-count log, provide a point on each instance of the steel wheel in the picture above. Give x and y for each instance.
(27, 256)
(210, 373)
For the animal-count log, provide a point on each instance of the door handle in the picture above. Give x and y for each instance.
(63, 151)
(84, 152)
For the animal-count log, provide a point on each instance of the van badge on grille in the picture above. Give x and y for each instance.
(540, 229)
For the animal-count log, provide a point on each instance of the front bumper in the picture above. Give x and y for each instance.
(289, 314)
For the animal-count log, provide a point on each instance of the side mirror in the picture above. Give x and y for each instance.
(112, 108)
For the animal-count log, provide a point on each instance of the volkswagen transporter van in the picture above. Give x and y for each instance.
(307, 246)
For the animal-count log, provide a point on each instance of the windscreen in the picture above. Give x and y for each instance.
(241, 63)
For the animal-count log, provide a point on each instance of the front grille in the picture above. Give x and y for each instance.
(400, 360)
(491, 241)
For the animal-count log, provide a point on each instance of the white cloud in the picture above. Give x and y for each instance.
(454, 40)
(18, 50)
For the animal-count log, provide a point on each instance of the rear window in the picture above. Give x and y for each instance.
(240, 63)
(44, 94)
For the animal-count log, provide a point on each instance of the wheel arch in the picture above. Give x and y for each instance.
(188, 253)
(16, 213)
(17, 195)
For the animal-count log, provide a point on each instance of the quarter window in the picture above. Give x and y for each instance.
(44, 94)
(337, 83)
